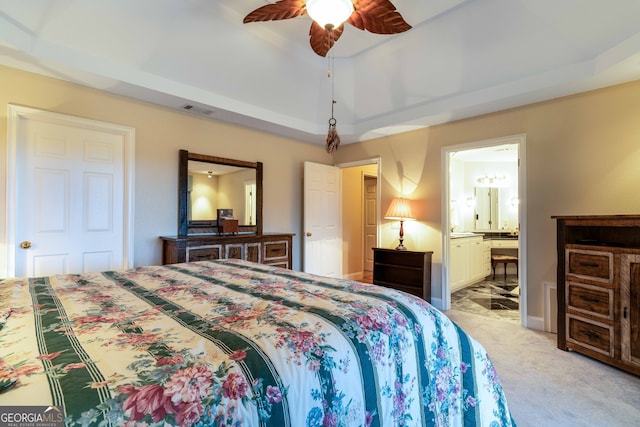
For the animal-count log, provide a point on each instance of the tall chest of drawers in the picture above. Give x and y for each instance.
(599, 288)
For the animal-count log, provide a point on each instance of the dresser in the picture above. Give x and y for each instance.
(269, 248)
(408, 271)
(599, 288)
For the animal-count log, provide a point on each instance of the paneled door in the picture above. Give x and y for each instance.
(322, 220)
(71, 207)
(370, 222)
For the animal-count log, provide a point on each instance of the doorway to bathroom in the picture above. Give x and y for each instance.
(484, 228)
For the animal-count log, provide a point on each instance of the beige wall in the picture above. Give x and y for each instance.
(160, 133)
(582, 157)
(352, 219)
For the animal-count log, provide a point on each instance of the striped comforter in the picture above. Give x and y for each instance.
(238, 344)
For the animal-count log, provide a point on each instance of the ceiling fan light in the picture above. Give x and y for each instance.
(330, 13)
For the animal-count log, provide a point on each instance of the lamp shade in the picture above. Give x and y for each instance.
(329, 12)
(400, 209)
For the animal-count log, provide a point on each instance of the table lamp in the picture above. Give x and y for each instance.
(400, 209)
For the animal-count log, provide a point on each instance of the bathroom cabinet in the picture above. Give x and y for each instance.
(486, 258)
(467, 261)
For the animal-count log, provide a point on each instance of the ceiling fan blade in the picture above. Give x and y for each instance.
(377, 16)
(282, 9)
(321, 40)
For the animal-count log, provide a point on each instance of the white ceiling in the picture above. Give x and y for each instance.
(461, 58)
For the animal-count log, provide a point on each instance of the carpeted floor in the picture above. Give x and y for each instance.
(549, 387)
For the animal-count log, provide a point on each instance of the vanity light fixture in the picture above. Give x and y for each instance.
(471, 202)
(209, 174)
(492, 181)
(400, 210)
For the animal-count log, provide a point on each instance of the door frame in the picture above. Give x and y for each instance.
(17, 113)
(371, 161)
(520, 140)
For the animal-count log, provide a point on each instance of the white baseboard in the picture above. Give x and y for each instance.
(353, 276)
(535, 323)
(550, 307)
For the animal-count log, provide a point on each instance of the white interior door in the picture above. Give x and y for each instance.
(250, 202)
(70, 208)
(322, 228)
(370, 222)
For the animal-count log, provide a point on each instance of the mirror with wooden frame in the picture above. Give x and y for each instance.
(214, 192)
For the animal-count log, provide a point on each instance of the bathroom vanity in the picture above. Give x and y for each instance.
(470, 256)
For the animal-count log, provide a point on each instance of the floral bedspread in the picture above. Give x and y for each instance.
(235, 343)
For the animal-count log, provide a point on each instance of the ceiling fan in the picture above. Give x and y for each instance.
(375, 16)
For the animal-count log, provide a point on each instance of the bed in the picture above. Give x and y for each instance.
(236, 343)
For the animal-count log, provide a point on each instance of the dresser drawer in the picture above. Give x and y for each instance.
(409, 278)
(252, 252)
(400, 258)
(588, 334)
(275, 249)
(204, 253)
(234, 251)
(593, 265)
(590, 299)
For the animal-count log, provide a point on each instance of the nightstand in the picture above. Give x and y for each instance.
(408, 271)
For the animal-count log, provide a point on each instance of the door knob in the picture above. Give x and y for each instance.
(309, 234)
(25, 245)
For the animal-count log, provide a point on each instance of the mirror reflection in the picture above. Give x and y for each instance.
(487, 208)
(494, 210)
(213, 187)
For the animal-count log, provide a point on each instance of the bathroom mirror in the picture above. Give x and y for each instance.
(487, 212)
(496, 209)
(211, 187)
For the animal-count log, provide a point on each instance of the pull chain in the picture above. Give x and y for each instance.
(333, 140)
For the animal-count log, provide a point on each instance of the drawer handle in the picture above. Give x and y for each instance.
(589, 264)
(591, 335)
(625, 313)
(590, 299)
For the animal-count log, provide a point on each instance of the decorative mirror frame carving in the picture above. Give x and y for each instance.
(183, 183)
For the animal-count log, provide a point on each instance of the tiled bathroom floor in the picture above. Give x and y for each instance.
(494, 298)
